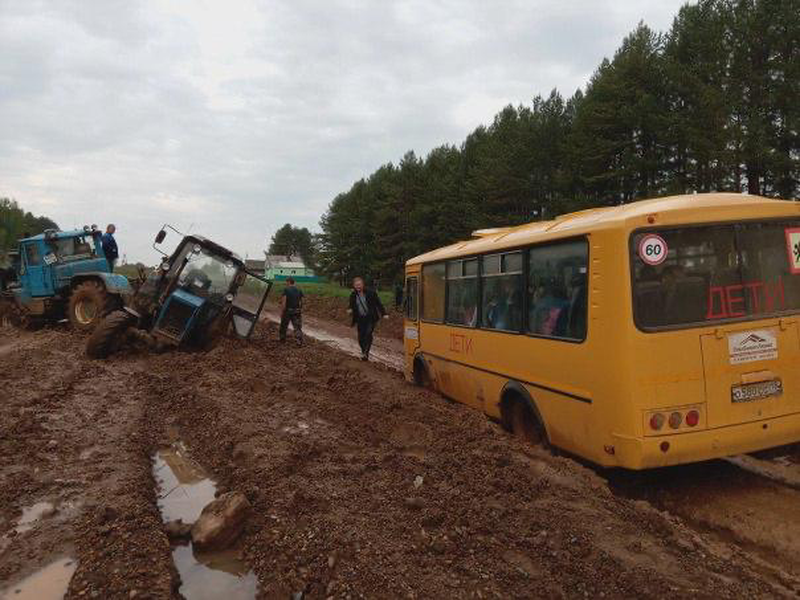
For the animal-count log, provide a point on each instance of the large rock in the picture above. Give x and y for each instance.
(221, 522)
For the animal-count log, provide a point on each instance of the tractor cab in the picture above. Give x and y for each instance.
(59, 274)
(196, 293)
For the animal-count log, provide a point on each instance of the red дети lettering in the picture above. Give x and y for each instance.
(728, 302)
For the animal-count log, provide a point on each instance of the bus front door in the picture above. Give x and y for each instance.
(411, 321)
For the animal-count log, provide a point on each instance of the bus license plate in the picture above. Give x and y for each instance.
(756, 391)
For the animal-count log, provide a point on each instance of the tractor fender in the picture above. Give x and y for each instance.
(113, 282)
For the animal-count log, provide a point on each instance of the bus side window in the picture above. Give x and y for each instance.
(411, 299)
(558, 290)
(433, 284)
(501, 276)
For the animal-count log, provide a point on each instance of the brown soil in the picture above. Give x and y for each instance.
(335, 309)
(361, 485)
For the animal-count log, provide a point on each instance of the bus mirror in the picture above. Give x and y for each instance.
(160, 236)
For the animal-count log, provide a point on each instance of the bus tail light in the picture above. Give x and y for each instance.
(671, 420)
(656, 422)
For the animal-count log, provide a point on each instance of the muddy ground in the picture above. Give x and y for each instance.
(361, 486)
(334, 309)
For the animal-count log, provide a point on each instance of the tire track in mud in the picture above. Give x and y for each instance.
(742, 507)
(71, 437)
(329, 452)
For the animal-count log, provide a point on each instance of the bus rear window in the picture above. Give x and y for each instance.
(702, 274)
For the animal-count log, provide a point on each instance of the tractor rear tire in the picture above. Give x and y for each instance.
(88, 304)
(108, 336)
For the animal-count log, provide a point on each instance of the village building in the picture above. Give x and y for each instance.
(278, 267)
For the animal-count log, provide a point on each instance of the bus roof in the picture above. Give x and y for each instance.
(694, 208)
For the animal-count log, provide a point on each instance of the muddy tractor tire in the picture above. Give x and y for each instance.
(109, 335)
(88, 304)
(7, 314)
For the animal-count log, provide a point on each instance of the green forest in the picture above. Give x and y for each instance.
(711, 105)
(15, 223)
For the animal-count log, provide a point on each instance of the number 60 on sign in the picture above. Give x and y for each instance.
(653, 249)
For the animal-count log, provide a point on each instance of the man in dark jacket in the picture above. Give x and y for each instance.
(110, 246)
(366, 310)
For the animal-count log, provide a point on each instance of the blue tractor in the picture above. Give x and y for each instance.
(199, 293)
(57, 275)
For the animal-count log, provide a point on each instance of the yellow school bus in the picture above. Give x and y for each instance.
(655, 333)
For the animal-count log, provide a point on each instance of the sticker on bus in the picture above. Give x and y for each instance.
(653, 249)
(411, 333)
(750, 346)
(793, 249)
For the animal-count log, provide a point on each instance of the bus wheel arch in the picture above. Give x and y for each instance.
(421, 373)
(521, 416)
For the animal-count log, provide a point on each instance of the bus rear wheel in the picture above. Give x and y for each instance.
(422, 377)
(523, 423)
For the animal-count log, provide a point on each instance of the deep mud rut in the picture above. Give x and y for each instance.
(361, 486)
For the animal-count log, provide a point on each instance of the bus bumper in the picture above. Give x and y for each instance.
(666, 450)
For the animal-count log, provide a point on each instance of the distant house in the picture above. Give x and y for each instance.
(255, 266)
(278, 267)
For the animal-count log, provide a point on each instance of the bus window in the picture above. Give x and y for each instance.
(411, 299)
(462, 292)
(557, 290)
(433, 283)
(715, 272)
(501, 276)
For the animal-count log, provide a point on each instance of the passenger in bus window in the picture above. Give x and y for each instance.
(548, 309)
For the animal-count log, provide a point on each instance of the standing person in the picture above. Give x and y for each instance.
(366, 310)
(110, 246)
(398, 296)
(291, 311)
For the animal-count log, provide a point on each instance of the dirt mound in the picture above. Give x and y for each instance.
(360, 484)
(335, 309)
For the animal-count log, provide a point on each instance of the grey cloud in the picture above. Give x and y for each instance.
(237, 117)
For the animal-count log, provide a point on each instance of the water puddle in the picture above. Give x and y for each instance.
(32, 514)
(184, 489)
(48, 583)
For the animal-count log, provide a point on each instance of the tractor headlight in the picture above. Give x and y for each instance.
(229, 297)
(165, 266)
(196, 249)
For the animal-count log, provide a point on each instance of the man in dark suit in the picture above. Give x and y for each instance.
(366, 310)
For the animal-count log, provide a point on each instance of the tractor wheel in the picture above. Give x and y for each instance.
(88, 304)
(6, 314)
(108, 336)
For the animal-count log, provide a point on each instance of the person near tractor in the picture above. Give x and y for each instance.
(110, 246)
(366, 310)
(291, 311)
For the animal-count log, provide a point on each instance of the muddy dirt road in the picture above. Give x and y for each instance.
(361, 486)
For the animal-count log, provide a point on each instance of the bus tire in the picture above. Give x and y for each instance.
(522, 420)
(422, 376)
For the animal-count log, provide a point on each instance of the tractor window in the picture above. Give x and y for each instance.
(32, 255)
(71, 248)
(207, 275)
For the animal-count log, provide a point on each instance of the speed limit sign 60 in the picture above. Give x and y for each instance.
(653, 249)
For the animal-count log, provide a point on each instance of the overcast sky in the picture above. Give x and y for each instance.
(231, 117)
